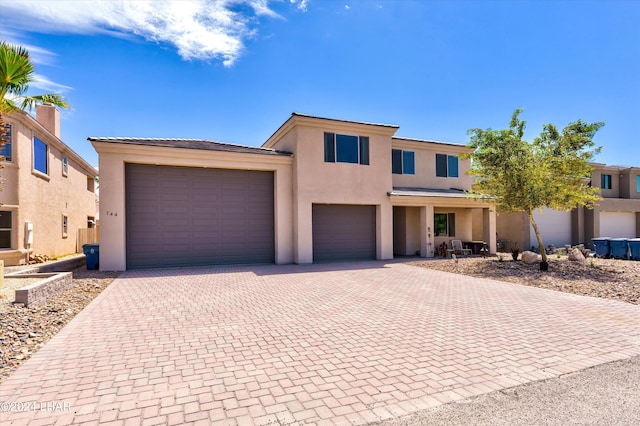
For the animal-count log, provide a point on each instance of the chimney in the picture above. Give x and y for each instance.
(49, 117)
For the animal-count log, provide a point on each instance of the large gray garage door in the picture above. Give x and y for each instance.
(343, 232)
(181, 216)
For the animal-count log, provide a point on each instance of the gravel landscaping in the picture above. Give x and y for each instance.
(605, 278)
(25, 330)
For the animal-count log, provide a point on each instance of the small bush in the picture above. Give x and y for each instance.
(515, 251)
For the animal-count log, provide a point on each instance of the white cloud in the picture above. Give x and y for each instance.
(199, 29)
(301, 4)
(43, 83)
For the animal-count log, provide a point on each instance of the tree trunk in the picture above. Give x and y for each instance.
(543, 252)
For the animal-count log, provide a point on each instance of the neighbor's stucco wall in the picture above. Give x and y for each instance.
(512, 229)
(113, 156)
(43, 199)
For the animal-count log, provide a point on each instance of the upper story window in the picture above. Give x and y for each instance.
(638, 184)
(5, 229)
(5, 150)
(605, 181)
(446, 165)
(40, 156)
(403, 162)
(346, 149)
(65, 166)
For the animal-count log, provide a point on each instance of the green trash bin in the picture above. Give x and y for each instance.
(92, 253)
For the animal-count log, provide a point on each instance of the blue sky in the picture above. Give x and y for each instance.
(234, 70)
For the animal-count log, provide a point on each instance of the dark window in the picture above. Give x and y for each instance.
(65, 166)
(446, 165)
(329, 148)
(637, 183)
(403, 162)
(441, 165)
(40, 156)
(396, 161)
(408, 163)
(346, 149)
(5, 150)
(453, 165)
(444, 224)
(5, 229)
(364, 150)
(605, 181)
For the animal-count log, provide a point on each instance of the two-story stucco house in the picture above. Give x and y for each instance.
(616, 215)
(318, 189)
(47, 189)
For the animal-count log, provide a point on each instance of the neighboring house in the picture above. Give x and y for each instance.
(616, 215)
(47, 189)
(318, 189)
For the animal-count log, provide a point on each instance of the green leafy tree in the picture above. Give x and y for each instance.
(16, 73)
(519, 176)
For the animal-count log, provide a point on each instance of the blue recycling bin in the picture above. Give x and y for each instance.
(602, 247)
(92, 253)
(634, 246)
(619, 248)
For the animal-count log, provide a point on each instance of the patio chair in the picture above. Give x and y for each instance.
(457, 248)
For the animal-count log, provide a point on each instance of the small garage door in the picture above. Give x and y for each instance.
(343, 232)
(618, 224)
(182, 216)
(554, 226)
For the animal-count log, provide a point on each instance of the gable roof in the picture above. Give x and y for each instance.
(31, 123)
(203, 144)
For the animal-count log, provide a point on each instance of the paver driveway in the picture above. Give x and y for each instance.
(336, 343)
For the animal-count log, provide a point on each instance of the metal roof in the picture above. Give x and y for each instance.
(190, 144)
(297, 114)
(428, 192)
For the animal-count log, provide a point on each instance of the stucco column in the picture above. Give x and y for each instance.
(303, 233)
(426, 231)
(283, 216)
(113, 250)
(384, 231)
(489, 228)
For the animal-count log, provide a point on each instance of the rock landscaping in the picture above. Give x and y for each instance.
(604, 278)
(25, 330)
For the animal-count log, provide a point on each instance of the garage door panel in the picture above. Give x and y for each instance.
(554, 226)
(179, 216)
(618, 224)
(343, 232)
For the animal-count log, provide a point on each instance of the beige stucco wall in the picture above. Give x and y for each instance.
(43, 199)
(425, 165)
(113, 156)
(317, 182)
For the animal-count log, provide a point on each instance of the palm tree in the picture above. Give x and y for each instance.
(16, 72)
